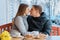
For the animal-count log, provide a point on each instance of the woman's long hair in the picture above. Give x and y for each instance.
(21, 9)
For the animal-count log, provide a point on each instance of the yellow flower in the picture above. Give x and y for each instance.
(5, 36)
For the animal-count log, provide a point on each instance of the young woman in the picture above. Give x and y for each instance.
(20, 21)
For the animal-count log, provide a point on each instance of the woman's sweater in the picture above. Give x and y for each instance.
(20, 24)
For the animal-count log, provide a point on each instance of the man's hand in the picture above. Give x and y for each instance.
(42, 36)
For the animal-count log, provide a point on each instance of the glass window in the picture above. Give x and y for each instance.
(50, 7)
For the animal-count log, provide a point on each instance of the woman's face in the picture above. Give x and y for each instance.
(27, 10)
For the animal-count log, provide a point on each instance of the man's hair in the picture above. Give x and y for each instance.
(37, 7)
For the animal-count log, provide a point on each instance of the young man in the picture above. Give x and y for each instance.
(38, 21)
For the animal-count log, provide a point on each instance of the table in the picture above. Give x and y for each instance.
(16, 38)
(48, 38)
(53, 38)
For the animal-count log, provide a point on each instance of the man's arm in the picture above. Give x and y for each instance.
(46, 30)
(47, 27)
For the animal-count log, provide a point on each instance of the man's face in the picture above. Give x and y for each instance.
(33, 11)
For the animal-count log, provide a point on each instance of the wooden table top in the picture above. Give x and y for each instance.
(16, 38)
(22, 39)
(49, 38)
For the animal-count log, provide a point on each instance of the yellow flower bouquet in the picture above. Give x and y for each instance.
(5, 36)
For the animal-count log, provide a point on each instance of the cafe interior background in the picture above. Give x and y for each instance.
(8, 10)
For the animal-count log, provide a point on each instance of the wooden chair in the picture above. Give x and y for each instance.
(5, 27)
(58, 31)
(54, 31)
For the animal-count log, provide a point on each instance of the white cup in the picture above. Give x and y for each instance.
(35, 33)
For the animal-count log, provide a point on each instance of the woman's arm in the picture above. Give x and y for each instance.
(20, 25)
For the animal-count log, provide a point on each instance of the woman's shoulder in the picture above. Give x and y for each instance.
(21, 17)
(18, 17)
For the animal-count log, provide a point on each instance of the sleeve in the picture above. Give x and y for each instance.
(47, 27)
(20, 25)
